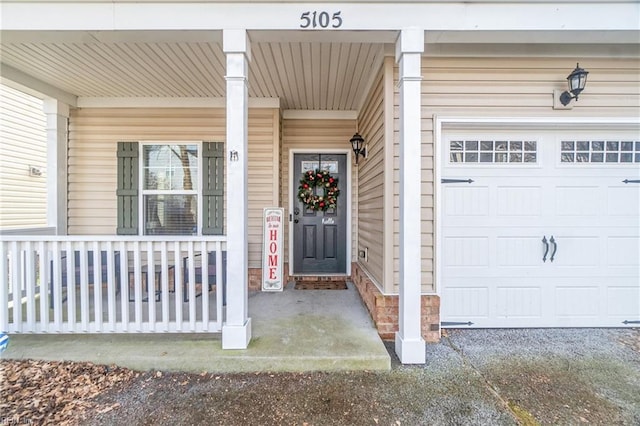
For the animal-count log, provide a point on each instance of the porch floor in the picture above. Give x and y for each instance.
(295, 330)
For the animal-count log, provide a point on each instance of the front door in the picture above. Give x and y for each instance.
(320, 237)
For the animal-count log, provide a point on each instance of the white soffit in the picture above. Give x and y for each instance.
(303, 75)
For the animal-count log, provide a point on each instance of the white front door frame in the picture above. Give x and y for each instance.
(291, 204)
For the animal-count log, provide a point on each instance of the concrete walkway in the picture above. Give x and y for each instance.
(296, 330)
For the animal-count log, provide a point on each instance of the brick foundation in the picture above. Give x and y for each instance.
(384, 308)
(255, 278)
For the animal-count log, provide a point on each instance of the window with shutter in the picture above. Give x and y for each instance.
(171, 188)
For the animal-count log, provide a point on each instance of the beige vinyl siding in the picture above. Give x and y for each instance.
(93, 137)
(23, 144)
(264, 140)
(371, 183)
(315, 134)
(506, 87)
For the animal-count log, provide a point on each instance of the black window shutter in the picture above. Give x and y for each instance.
(127, 191)
(212, 188)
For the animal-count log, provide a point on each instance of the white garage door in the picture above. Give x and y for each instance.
(540, 228)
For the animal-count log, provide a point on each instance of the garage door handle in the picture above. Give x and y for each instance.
(546, 248)
(555, 248)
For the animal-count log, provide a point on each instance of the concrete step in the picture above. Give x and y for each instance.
(293, 330)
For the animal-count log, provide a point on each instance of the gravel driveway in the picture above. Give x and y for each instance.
(472, 377)
(479, 377)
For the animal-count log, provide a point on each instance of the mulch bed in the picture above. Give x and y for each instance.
(55, 393)
(321, 285)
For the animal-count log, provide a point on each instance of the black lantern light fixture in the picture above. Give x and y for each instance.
(577, 80)
(357, 144)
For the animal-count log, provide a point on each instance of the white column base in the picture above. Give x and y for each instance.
(411, 351)
(236, 336)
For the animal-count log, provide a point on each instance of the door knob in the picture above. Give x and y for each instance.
(295, 220)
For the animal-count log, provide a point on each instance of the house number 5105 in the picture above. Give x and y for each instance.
(322, 19)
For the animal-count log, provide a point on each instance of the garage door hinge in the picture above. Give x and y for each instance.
(453, 323)
(630, 322)
(631, 181)
(456, 180)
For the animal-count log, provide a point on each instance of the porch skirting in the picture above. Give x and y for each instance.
(384, 308)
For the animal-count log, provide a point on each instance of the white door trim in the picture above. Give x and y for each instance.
(292, 180)
(440, 123)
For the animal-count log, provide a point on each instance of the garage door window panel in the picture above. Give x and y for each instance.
(491, 152)
(600, 152)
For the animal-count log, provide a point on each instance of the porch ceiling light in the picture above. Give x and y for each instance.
(357, 144)
(577, 80)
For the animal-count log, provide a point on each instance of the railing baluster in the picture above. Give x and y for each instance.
(56, 293)
(44, 286)
(204, 254)
(192, 284)
(97, 286)
(165, 285)
(17, 290)
(30, 283)
(137, 283)
(84, 286)
(151, 285)
(177, 258)
(71, 286)
(112, 276)
(124, 286)
(220, 286)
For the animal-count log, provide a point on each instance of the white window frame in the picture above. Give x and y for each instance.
(144, 192)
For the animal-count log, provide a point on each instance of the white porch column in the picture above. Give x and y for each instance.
(410, 346)
(57, 117)
(236, 330)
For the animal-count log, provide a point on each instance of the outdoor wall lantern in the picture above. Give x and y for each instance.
(577, 80)
(357, 143)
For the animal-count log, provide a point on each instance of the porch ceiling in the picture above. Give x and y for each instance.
(304, 75)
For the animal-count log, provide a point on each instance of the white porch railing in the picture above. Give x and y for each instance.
(96, 284)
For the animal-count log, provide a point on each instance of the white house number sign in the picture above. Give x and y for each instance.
(320, 19)
(272, 249)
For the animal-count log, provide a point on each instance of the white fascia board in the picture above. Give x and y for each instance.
(446, 123)
(18, 80)
(171, 103)
(458, 16)
(293, 114)
(531, 50)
